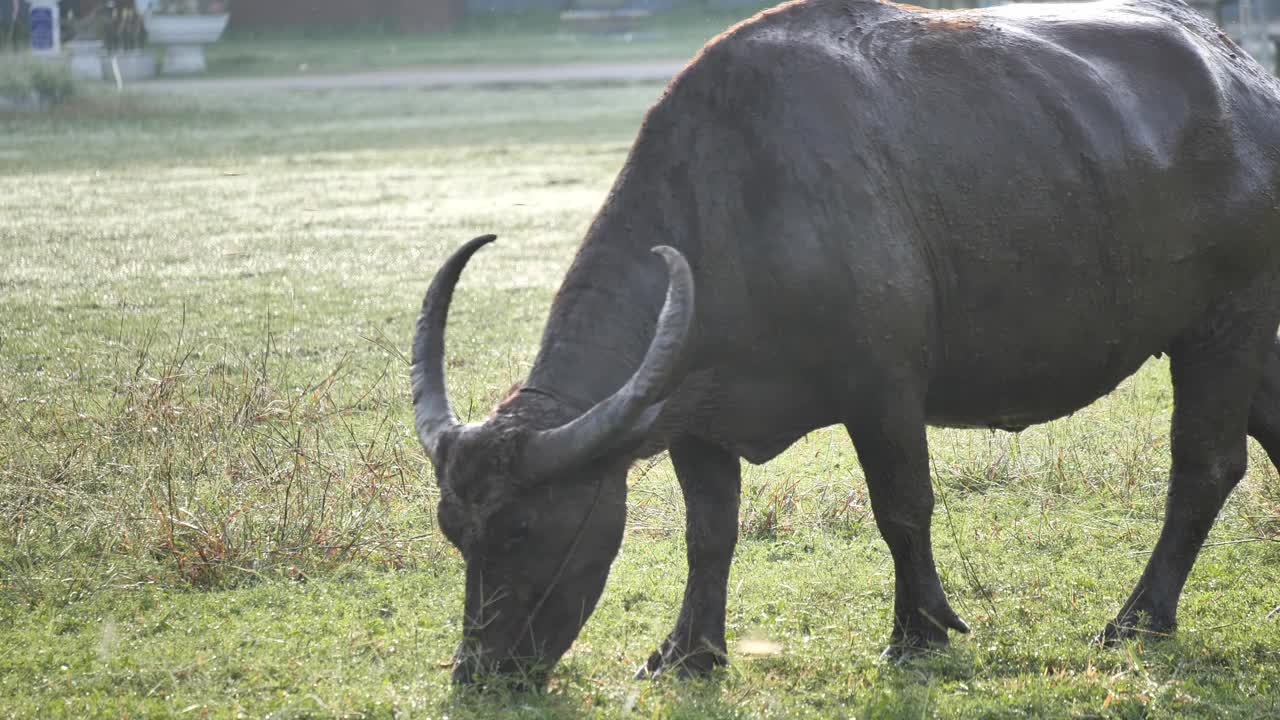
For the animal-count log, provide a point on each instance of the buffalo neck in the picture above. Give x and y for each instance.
(603, 317)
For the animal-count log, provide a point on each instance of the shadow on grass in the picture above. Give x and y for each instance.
(1189, 674)
(470, 704)
(571, 694)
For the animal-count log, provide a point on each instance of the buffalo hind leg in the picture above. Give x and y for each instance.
(1213, 382)
(710, 478)
(1264, 413)
(893, 449)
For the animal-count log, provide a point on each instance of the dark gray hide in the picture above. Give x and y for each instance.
(894, 218)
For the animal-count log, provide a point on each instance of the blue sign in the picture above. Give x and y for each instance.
(42, 29)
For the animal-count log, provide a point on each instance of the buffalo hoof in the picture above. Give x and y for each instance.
(685, 663)
(897, 653)
(927, 634)
(1130, 626)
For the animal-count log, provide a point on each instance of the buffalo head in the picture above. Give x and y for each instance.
(536, 508)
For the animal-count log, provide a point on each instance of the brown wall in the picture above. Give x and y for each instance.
(407, 15)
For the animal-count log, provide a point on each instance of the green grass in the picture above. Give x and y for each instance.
(214, 504)
(501, 39)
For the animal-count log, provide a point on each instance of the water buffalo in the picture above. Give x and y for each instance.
(892, 218)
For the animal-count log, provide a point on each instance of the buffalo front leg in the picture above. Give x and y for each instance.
(1264, 413)
(1212, 391)
(710, 478)
(893, 450)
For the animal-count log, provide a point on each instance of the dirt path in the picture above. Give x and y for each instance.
(659, 70)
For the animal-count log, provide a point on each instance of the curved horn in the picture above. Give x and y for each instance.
(610, 420)
(431, 412)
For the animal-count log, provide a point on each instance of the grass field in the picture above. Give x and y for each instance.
(214, 506)
(502, 39)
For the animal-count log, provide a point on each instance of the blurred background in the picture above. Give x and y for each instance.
(1253, 23)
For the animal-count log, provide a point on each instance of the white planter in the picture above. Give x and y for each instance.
(133, 65)
(186, 29)
(184, 38)
(86, 59)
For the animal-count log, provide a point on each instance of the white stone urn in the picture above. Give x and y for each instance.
(132, 65)
(86, 58)
(184, 38)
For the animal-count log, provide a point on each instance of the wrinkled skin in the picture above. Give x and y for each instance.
(892, 218)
